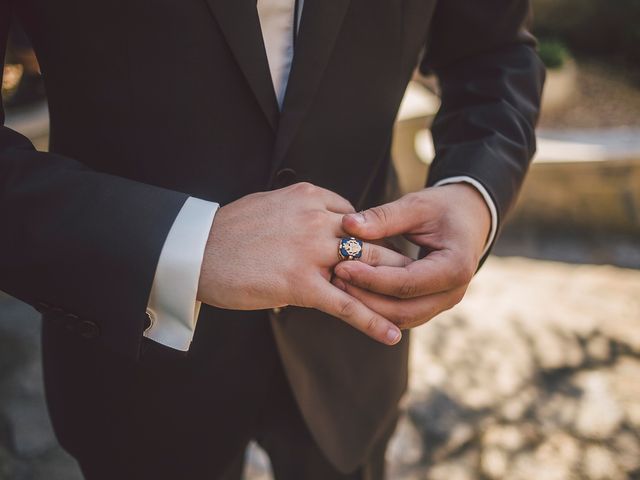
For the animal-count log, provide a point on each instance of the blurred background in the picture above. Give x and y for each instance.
(536, 374)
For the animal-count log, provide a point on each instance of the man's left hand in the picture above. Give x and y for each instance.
(450, 222)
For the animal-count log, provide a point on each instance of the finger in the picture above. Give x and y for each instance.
(334, 202)
(377, 255)
(386, 220)
(372, 254)
(337, 303)
(437, 272)
(336, 226)
(408, 313)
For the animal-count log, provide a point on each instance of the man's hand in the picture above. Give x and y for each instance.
(279, 248)
(451, 222)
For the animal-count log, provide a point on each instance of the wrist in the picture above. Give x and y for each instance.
(208, 268)
(470, 205)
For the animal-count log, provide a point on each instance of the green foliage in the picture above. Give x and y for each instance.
(603, 28)
(553, 53)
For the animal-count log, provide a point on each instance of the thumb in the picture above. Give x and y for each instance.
(394, 218)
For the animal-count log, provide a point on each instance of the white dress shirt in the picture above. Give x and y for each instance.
(172, 307)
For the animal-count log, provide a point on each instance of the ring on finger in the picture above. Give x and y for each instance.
(349, 248)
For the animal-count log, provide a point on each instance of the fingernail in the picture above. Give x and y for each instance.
(393, 336)
(340, 284)
(358, 217)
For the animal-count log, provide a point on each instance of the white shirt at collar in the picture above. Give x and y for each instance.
(276, 21)
(172, 307)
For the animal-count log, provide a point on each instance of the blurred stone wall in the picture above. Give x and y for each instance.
(601, 196)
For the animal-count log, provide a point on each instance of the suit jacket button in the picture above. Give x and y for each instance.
(87, 329)
(285, 177)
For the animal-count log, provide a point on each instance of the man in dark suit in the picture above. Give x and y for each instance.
(161, 112)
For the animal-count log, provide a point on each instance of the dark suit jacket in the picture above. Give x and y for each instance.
(153, 101)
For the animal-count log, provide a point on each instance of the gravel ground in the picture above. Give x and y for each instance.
(533, 376)
(606, 96)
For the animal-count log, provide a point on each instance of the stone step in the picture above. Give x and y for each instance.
(587, 180)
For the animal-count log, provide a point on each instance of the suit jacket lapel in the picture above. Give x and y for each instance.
(240, 24)
(319, 28)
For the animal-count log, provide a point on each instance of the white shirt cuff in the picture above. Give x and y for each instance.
(172, 308)
(488, 200)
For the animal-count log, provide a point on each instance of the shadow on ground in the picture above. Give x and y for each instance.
(534, 375)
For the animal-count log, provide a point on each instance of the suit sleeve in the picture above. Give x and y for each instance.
(79, 245)
(491, 80)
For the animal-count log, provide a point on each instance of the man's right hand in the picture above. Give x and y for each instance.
(279, 248)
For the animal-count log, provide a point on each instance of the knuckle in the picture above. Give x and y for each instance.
(412, 200)
(404, 318)
(408, 289)
(467, 274)
(364, 282)
(457, 298)
(372, 324)
(416, 201)
(347, 309)
(462, 273)
(372, 255)
(304, 187)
